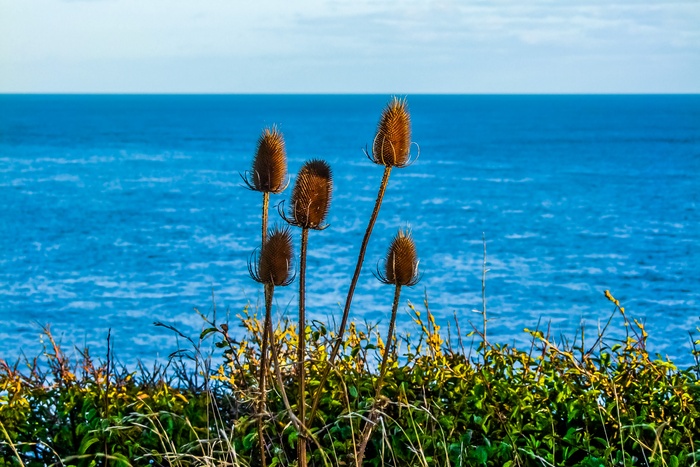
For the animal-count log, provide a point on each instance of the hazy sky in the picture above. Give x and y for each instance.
(349, 46)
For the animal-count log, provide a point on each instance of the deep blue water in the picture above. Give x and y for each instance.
(121, 210)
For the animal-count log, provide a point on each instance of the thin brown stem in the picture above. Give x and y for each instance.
(351, 292)
(372, 419)
(106, 398)
(269, 291)
(301, 349)
(265, 206)
(298, 424)
(483, 292)
(280, 382)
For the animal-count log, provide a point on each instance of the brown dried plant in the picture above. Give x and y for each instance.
(391, 148)
(272, 267)
(269, 171)
(401, 262)
(268, 175)
(392, 144)
(400, 269)
(274, 262)
(311, 198)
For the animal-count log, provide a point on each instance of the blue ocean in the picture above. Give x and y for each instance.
(121, 210)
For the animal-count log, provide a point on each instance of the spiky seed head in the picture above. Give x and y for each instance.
(275, 259)
(401, 267)
(392, 144)
(311, 196)
(269, 171)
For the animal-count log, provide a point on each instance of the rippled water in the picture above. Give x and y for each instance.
(118, 211)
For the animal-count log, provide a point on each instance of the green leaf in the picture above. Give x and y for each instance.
(248, 440)
(292, 438)
(86, 443)
(206, 332)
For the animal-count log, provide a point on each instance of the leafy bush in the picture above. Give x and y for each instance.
(586, 404)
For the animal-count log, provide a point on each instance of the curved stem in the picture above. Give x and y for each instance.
(301, 348)
(351, 292)
(367, 432)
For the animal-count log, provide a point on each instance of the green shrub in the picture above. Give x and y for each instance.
(608, 404)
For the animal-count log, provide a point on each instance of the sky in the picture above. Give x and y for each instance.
(349, 46)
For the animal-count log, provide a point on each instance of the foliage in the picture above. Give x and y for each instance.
(594, 403)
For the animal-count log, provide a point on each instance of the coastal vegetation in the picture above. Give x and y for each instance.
(303, 392)
(590, 401)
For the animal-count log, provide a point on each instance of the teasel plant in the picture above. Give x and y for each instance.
(311, 198)
(271, 266)
(269, 171)
(400, 270)
(267, 175)
(391, 148)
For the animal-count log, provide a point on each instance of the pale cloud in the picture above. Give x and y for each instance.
(349, 46)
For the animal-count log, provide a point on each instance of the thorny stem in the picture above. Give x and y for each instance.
(483, 290)
(266, 204)
(369, 426)
(348, 301)
(269, 291)
(300, 427)
(301, 353)
(106, 398)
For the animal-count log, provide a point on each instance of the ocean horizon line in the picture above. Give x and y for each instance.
(475, 94)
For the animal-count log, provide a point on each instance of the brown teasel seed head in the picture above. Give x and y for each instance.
(311, 197)
(392, 144)
(274, 262)
(269, 171)
(401, 263)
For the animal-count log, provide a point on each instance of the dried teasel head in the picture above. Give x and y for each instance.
(269, 171)
(273, 263)
(311, 196)
(392, 144)
(401, 262)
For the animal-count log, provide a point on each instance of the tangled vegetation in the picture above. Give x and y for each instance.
(588, 403)
(299, 393)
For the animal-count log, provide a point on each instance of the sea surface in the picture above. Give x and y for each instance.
(117, 211)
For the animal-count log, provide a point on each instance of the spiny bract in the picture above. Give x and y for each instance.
(275, 259)
(269, 170)
(401, 263)
(392, 144)
(311, 197)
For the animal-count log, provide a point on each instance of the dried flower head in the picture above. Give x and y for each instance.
(311, 196)
(401, 262)
(392, 144)
(269, 171)
(273, 264)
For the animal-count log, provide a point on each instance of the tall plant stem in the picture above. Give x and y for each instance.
(351, 292)
(483, 291)
(301, 428)
(265, 206)
(269, 290)
(301, 349)
(369, 426)
(267, 326)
